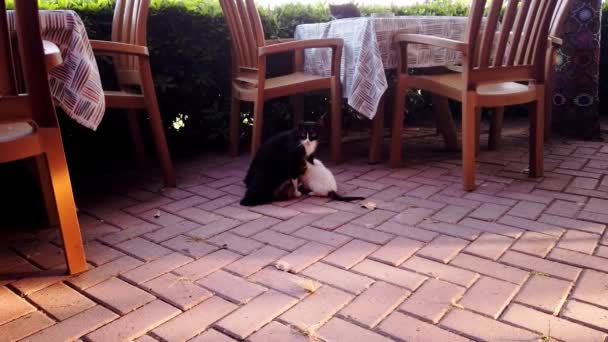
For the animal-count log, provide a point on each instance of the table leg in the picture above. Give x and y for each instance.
(445, 122)
(377, 134)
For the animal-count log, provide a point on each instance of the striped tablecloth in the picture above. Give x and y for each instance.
(75, 84)
(368, 51)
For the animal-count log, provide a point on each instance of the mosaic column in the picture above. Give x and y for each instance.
(575, 94)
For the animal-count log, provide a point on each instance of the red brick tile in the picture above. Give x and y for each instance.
(549, 325)
(212, 335)
(420, 203)
(373, 218)
(489, 211)
(316, 309)
(560, 195)
(368, 184)
(295, 223)
(198, 215)
(143, 249)
(490, 268)
(489, 296)
(184, 203)
(214, 228)
(366, 234)
(104, 272)
(451, 214)
(441, 271)
(531, 225)
(61, 301)
(455, 230)
(597, 205)
(583, 313)
(544, 293)
(443, 248)
(219, 202)
(490, 199)
(407, 231)
(171, 231)
(483, 328)
(406, 328)
(322, 236)
(24, 326)
(280, 240)
(251, 317)
(529, 210)
(490, 246)
(369, 308)
(255, 261)
(304, 256)
(207, 264)
(334, 220)
(432, 300)
(135, 323)
(179, 291)
(129, 233)
(237, 213)
(525, 197)
(13, 306)
(565, 256)
(43, 254)
(540, 265)
(206, 191)
(284, 282)
(350, 254)
(563, 208)
(579, 241)
(412, 216)
(190, 245)
(119, 296)
(195, 320)
(535, 243)
(275, 211)
(337, 277)
(424, 191)
(275, 331)
(231, 287)
(592, 287)
(593, 217)
(459, 201)
(340, 330)
(390, 274)
(312, 209)
(156, 268)
(396, 251)
(573, 224)
(602, 251)
(235, 243)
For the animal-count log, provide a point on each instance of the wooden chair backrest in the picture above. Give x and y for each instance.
(246, 33)
(130, 25)
(36, 103)
(512, 50)
(559, 17)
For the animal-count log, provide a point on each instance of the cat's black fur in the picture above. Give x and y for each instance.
(279, 159)
(343, 11)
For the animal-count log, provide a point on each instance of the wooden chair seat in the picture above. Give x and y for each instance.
(285, 85)
(124, 100)
(15, 130)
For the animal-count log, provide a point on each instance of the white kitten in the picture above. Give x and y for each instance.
(321, 182)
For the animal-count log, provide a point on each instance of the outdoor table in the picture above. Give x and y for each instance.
(75, 84)
(369, 51)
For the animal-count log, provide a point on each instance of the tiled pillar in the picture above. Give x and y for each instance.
(575, 95)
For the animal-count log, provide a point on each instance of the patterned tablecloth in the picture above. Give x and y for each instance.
(368, 51)
(75, 84)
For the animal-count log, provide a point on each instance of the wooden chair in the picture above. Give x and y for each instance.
(557, 23)
(132, 68)
(28, 123)
(249, 52)
(497, 71)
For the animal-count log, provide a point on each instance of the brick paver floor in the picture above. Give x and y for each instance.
(519, 259)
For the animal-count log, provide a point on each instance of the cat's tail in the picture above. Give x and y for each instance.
(337, 197)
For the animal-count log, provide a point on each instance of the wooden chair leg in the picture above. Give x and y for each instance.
(537, 130)
(297, 104)
(496, 121)
(445, 122)
(478, 111)
(42, 171)
(136, 139)
(336, 120)
(397, 129)
(377, 136)
(156, 123)
(258, 124)
(469, 137)
(235, 116)
(64, 199)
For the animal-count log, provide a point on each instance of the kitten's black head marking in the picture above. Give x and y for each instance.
(344, 11)
(309, 130)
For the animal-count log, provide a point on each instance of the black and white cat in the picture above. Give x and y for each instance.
(280, 161)
(343, 11)
(319, 181)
